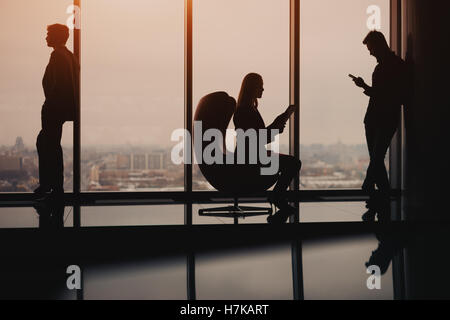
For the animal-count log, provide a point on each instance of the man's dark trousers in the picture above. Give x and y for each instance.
(51, 164)
(378, 141)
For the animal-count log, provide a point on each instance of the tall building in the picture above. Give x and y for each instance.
(156, 161)
(19, 146)
(139, 162)
(123, 161)
(10, 163)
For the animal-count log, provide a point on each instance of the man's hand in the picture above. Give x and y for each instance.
(359, 82)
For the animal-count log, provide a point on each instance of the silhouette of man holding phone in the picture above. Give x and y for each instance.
(382, 118)
(61, 89)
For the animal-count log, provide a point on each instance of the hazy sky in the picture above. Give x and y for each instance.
(133, 64)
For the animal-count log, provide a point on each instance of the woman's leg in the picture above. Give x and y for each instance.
(289, 167)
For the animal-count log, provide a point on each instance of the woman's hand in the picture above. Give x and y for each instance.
(279, 123)
(289, 111)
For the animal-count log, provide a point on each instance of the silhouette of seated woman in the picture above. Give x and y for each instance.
(247, 117)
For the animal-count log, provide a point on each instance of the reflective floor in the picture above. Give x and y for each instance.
(141, 215)
(332, 268)
(316, 261)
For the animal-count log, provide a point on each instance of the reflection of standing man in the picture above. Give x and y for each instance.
(61, 89)
(381, 120)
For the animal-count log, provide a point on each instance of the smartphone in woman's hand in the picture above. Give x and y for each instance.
(289, 111)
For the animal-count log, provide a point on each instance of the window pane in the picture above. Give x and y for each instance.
(25, 55)
(132, 215)
(332, 211)
(233, 38)
(247, 274)
(37, 217)
(335, 269)
(333, 148)
(155, 279)
(132, 94)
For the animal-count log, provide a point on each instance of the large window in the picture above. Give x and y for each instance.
(131, 94)
(132, 85)
(233, 38)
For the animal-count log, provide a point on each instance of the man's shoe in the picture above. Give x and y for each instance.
(368, 188)
(384, 216)
(42, 191)
(55, 195)
(369, 216)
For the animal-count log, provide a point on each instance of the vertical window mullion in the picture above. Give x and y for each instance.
(77, 129)
(190, 259)
(294, 136)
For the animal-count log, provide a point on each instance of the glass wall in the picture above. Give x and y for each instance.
(336, 269)
(233, 38)
(25, 55)
(256, 274)
(153, 215)
(155, 279)
(133, 77)
(332, 140)
(132, 94)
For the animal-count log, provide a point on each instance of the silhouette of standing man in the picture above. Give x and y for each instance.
(381, 120)
(61, 89)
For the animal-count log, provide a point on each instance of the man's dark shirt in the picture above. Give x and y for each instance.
(61, 85)
(387, 93)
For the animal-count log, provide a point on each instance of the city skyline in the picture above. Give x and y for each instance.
(140, 168)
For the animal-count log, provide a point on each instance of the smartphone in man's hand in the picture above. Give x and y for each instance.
(358, 81)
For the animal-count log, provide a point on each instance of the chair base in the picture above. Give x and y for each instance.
(235, 211)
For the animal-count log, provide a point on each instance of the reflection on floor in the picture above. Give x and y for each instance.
(146, 257)
(26, 217)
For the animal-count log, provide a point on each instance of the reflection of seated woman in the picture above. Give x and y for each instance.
(246, 117)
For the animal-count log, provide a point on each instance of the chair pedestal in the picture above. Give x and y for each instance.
(235, 211)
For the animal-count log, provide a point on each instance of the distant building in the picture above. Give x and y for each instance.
(19, 146)
(139, 162)
(123, 161)
(29, 163)
(156, 161)
(94, 175)
(10, 163)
